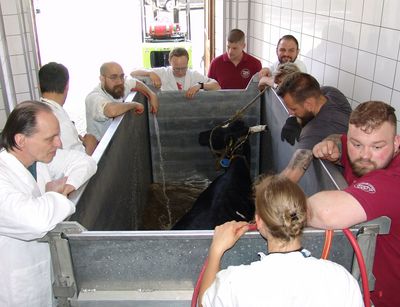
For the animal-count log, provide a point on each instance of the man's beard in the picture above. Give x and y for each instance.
(283, 60)
(306, 118)
(361, 170)
(117, 91)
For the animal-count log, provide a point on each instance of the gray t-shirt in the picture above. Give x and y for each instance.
(333, 118)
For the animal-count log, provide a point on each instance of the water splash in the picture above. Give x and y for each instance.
(162, 172)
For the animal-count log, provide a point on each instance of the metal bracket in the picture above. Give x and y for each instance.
(366, 238)
(64, 286)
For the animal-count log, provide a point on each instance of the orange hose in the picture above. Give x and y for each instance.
(327, 244)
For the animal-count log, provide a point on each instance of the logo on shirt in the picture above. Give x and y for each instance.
(245, 73)
(366, 187)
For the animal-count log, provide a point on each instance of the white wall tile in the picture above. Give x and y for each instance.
(21, 83)
(354, 10)
(389, 42)
(384, 71)
(23, 96)
(266, 13)
(333, 52)
(372, 12)
(3, 119)
(276, 2)
(346, 83)
(380, 92)
(258, 30)
(265, 51)
(397, 78)
(323, 7)
(308, 62)
(321, 26)
(335, 32)
(244, 11)
(308, 23)
(11, 25)
(297, 5)
(276, 16)
(285, 18)
(395, 103)
(307, 45)
(309, 6)
(351, 33)
(267, 32)
(319, 50)
(257, 14)
(287, 3)
(362, 90)
(331, 76)
(390, 16)
(318, 71)
(338, 8)
(297, 21)
(14, 44)
(275, 35)
(369, 38)
(17, 63)
(8, 7)
(365, 64)
(348, 60)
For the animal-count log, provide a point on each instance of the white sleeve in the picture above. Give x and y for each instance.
(95, 103)
(26, 217)
(198, 77)
(78, 166)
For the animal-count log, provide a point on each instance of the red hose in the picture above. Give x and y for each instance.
(361, 264)
(327, 244)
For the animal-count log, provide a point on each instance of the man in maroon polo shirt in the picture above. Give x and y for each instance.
(369, 155)
(235, 68)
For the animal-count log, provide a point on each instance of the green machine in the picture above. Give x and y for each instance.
(162, 32)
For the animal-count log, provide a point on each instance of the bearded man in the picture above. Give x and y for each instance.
(106, 101)
(369, 155)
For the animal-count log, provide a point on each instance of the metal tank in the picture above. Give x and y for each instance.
(102, 258)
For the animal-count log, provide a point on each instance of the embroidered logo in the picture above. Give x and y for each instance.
(245, 73)
(366, 187)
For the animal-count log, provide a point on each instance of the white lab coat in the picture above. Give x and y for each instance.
(27, 212)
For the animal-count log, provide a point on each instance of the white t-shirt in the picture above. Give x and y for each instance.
(97, 123)
(169, 82)
(284, 280)
(68, 133)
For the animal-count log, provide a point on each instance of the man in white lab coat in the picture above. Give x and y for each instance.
(33, 200)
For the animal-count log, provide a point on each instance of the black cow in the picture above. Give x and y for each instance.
(229, 196)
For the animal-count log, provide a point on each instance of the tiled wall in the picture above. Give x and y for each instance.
(17, 58)
(349, 44)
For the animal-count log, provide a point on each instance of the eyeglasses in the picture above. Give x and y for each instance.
(178, 69)
(121, 77)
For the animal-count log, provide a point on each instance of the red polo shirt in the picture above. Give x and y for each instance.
(230, 76)
(378, 192)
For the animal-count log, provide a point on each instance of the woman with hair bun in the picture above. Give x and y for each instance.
(287, 275)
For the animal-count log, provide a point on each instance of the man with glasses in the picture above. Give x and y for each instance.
(178, 77)
(106, 101)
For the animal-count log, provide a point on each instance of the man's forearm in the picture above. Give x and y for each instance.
(212, 86)
(298, 165)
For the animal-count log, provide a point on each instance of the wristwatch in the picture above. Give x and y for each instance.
(201, 85)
